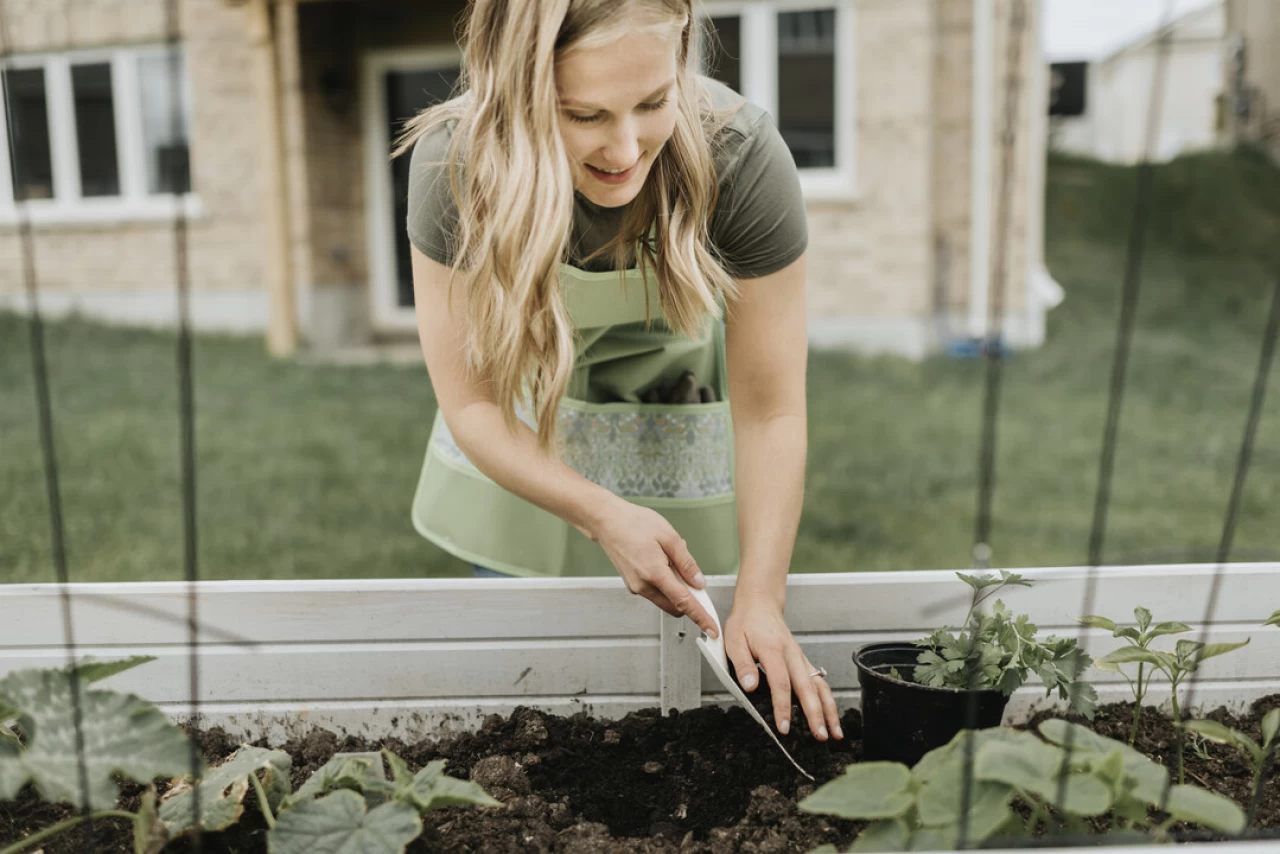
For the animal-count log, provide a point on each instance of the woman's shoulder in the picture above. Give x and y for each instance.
(760, 224)
(433, 213)
(739, 126)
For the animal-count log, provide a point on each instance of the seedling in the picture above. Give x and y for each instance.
(1257, 755)
(922, 808)
(348, 804)
(124, 737)
(1141, 638)
(1183, 661)
(997, 651)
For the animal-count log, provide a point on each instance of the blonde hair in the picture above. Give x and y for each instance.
(515, 195)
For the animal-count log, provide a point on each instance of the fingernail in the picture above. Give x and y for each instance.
(699, 579)
(749, 681)
(784, 726)
(822, 733)
(839, 733)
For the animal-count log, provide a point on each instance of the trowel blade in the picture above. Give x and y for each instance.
(713, 652)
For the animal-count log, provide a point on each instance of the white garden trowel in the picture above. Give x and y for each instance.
(713, 652)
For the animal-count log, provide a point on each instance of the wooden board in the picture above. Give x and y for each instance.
(412, 658)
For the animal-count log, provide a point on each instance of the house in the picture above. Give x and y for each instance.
(1253, 71)
(276, 145)
(1100, 102)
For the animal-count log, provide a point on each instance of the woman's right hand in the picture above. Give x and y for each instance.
(652, 559)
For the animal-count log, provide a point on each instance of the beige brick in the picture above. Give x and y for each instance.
(878, 254)
(226, 246)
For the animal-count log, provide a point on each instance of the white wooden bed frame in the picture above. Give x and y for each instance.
(418, 658)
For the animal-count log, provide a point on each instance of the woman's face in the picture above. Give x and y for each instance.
(617, 110)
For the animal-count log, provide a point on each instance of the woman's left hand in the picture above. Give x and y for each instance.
(757, 631)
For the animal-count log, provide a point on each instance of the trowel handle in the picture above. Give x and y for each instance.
(704, 599)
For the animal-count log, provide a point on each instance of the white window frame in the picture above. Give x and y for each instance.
(759, 63)
(68, 206)
(385, 312)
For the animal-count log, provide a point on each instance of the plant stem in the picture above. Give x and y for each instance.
(1039, 812)
(1137, 707)
(1259, 783)
(1177, 719)
(979, 597)
(23, 844)
(262, 800)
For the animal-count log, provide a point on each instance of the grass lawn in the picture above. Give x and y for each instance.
(307, 471)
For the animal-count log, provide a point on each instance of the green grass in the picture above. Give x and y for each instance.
(307, 471)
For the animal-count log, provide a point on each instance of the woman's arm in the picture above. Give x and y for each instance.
(766, 338)
(641, 544)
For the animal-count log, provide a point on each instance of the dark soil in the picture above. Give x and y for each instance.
(703, 781)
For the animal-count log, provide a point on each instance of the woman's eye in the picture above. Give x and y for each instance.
(652, 106)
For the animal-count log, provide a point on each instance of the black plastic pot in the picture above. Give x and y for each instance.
(902, 721)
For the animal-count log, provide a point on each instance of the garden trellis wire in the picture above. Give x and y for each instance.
(993, 351)
(174, 87)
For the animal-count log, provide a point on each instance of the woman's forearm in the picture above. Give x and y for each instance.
(770, 491)
(514, 462)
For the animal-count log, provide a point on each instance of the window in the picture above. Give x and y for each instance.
(95, 129)
(32, 162)
(794, 59)
(164, 128)
(96, 135)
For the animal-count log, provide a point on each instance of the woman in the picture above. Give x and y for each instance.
(607, 250)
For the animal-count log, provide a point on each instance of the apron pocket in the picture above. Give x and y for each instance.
(651, 450)
(671, 452)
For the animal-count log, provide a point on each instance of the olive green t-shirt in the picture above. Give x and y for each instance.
(758, 227)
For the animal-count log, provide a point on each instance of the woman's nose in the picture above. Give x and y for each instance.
(623, 147)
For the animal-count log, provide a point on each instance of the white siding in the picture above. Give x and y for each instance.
(412, 658)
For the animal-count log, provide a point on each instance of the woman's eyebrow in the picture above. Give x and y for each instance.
(654, 94)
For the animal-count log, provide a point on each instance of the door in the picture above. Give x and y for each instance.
(397, 86)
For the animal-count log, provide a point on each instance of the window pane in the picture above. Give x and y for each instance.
(28, 115)
(807, 85)
(164, 128)
(406, 93)
(96, 129)
(722, 49)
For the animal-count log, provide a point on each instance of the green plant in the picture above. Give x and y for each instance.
(122, 735)
(223, 788)
(921, 808)
(1141, 638)
(347, 805)
(1177, 665)
(1257, 755)
(1199, 745)
(997, 651)
(1273, 620)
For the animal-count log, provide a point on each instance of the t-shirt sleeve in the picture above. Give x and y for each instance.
(433, 215)
(760, 224)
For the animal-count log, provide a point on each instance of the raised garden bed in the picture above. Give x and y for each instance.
(590, 762)
(697, 782)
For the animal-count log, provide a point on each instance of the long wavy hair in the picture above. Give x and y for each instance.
(512, 182)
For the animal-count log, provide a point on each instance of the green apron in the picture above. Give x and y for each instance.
(674, 458)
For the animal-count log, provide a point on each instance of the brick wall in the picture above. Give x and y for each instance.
(901, 248)
(1259, 21)
(897, 251)
(870, 257)
(952, 151)
(117, 260)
